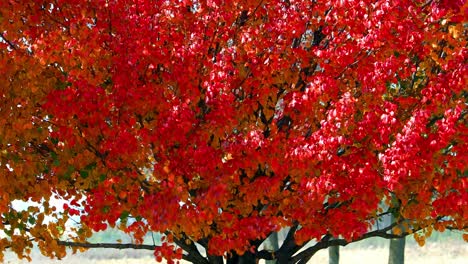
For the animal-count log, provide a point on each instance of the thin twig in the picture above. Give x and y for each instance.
(12, 46)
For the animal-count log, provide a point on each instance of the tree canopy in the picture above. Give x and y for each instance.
(219, 122)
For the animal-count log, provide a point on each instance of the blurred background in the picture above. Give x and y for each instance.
(440, 248)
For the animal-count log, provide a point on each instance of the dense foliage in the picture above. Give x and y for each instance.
(219, 122)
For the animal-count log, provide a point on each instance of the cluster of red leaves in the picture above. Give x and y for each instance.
(227, 120)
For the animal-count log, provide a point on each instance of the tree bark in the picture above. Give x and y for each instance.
(334, 255)
(397, 251)
(397, 248)
(215, 259)
(271, 244)
(247, 258)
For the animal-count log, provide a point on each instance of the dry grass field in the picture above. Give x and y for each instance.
(432, 253)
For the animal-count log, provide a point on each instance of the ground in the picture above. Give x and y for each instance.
(453, 252)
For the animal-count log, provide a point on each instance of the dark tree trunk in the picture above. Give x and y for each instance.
(397, 251)
(334, 255)
(215, 259)
(247, 258)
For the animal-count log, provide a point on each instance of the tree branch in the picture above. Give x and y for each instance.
(12, 46)
(116, 246)
(326, 242)
(193, 254)
(287, 249)
(105, 245)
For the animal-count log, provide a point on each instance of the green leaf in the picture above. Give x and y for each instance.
(102, 177)
(84, 174)
(56, 161)
(54, 141)
(106, 209)
(32, 220)
(124, 215)
(69, 172)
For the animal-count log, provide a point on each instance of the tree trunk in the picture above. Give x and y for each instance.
(247, 258)
(215, 259)
(397, 251)
(271, 244)
(334, 255)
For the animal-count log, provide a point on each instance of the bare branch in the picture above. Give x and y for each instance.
(326, 242)
(12, 46)
(192, 250)
(105, 245)
(113, 245)
(287, 249)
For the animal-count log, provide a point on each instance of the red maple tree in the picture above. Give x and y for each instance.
(218, 122)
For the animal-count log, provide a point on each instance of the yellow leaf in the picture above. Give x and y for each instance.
(454, 31)
(421, 242)
(397, 230)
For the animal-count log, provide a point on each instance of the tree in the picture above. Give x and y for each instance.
(217, 123)
(271, 243)
(334, 255)
(396, 253)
